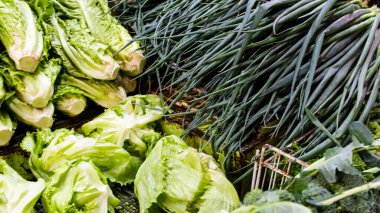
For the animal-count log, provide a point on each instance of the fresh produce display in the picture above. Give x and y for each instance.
(222, 80)
(265, 64)
(51, 60)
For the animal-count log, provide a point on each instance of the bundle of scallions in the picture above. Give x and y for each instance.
(303, 69)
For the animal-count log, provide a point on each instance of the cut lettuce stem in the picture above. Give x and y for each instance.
(36, 117)
(71, 104)
(6, 128)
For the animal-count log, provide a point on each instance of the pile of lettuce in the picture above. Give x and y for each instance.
(123, 146)
(55, 55)
(77, 165)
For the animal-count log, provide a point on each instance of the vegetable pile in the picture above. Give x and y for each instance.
(282, 65)
(55, 55)
(120, 146)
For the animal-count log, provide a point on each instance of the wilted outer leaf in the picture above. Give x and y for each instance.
(16, 194)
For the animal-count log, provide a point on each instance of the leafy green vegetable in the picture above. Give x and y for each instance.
(105, 93)
(20, 34)
(69, 100)
(270, 201)
(176, 178)
(273, 207)
(7, 127)
(220, 193)
(258, 197)
(3, 91)
(36, 117)
(103, 26)
(49, 150)
(169, 127)
(85, 53)
(129, 124)
(17, 195)
(78, 187)
(345, 194)
(35, 88)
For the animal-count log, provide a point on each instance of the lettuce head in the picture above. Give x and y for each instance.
(177, 178)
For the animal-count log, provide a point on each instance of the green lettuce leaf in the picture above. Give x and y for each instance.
(78, 187)
(17, 195)
(128, 124)
(49, 150)
(20, 34)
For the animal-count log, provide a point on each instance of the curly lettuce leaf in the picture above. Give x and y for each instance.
(78, 187)
(17, 195)
(49, 150)
(128, 124)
